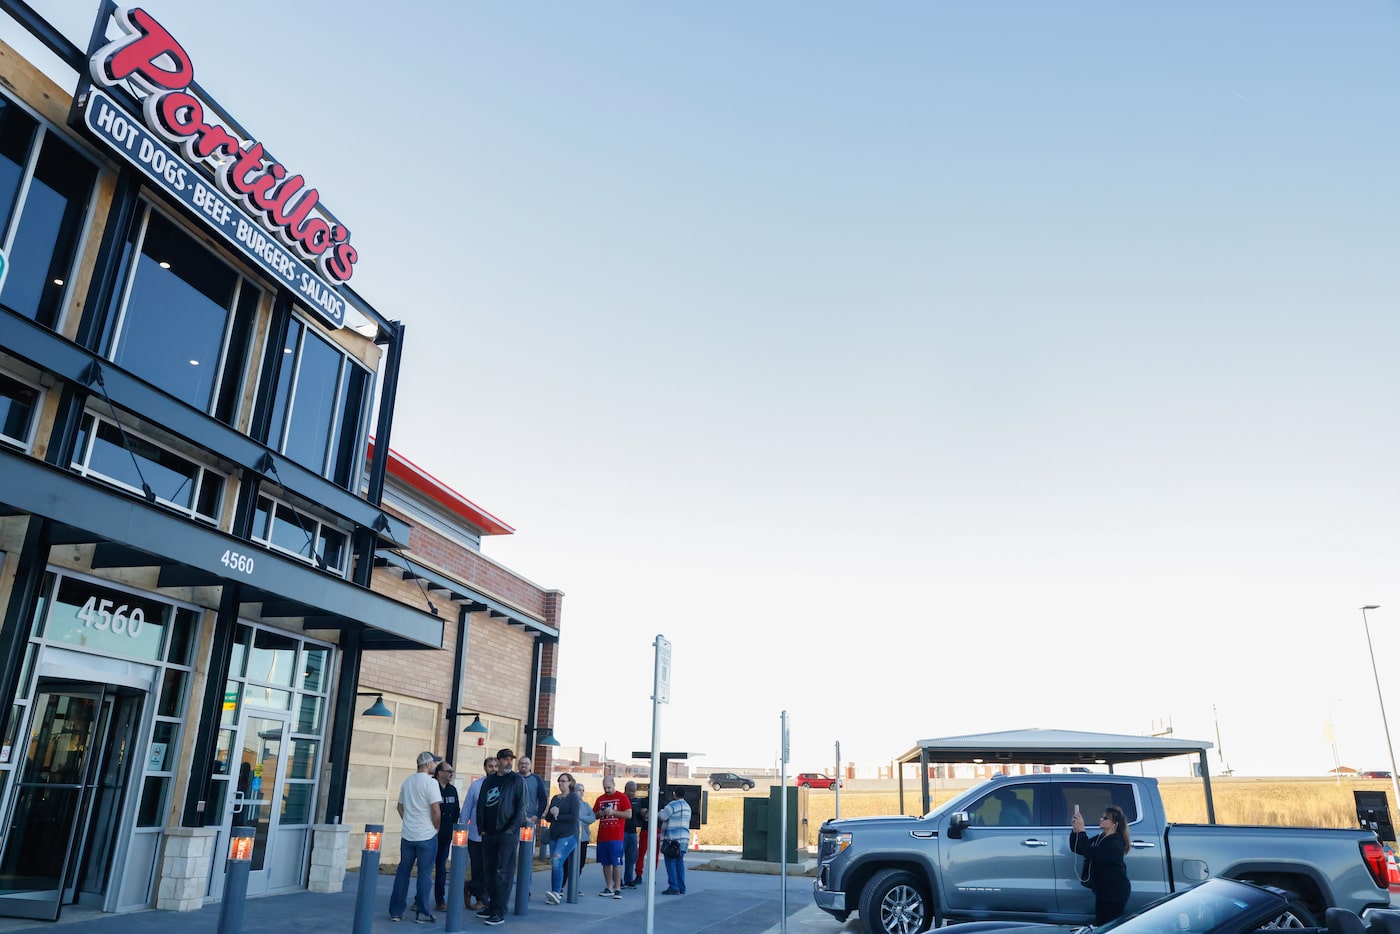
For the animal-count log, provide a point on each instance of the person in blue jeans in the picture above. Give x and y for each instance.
(676, 816)
(420, 807)
(562, 815)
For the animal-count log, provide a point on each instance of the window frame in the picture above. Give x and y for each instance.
(133, 247)
(83, 234)
(25, 444)
(82, 459)
(316, 525)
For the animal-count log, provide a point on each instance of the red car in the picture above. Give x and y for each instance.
(816, 780)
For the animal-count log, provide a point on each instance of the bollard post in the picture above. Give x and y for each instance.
(456, 875)
(571, 876)
(240, 856)
(524, 866)
(369, 878)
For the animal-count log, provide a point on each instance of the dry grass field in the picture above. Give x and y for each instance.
(1299, 802)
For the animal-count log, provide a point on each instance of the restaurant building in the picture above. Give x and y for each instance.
(200, 561)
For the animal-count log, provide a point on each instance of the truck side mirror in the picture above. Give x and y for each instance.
(957, 824)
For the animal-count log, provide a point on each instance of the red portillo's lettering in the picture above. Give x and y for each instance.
(151, 59)
(138, 55)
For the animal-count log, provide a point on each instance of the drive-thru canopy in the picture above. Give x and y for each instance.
(1050, 747)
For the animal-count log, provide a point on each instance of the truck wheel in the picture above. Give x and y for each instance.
(1296, 915)
(894, 903)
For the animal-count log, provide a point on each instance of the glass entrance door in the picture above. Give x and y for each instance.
(257, 795)
(50, 799)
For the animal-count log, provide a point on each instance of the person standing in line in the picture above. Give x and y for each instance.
(501, 811)
(1104, 870)
(675, 838)
(451, 812)
(613, 809)
(420, 809)
(562, 815)
(537, 799)
(476, 885)
(636, 824)
(585, 817)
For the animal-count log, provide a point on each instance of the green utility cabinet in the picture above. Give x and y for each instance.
(762, 826)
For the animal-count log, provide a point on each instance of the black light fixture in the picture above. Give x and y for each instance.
(378, 708)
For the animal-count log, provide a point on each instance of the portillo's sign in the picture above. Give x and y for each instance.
(267, 213)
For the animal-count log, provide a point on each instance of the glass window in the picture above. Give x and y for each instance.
(309, 713)
(273, 659)
(102, 619)
(42, 210)
(301, 758)
(320, 405)
(161, 757)
(128, 459)
(314, 668)
(182, 633)
(179, 317)
(293, 531)
(1007, 806)
(152, 809)
(18, 405)
(172, 694)
(297, 799)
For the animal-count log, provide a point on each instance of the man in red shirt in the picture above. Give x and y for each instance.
(613, 808)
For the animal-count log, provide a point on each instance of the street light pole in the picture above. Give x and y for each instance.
(1394, 779)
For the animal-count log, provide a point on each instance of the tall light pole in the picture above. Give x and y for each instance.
(1394, 780)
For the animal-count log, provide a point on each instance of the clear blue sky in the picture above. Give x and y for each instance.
(919, 368)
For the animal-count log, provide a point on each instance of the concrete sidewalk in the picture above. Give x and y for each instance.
(729, 897)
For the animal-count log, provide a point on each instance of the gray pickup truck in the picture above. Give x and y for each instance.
(1001, 851)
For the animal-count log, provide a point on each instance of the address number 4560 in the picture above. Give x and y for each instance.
(232, 560)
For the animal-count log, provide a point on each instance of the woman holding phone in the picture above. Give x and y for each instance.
(1104, 870)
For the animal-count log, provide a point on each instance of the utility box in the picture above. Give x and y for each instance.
(1373, 813)
(763, 826)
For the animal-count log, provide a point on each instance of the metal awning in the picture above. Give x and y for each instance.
(128, 532)
(459, 593)
(1051, 747)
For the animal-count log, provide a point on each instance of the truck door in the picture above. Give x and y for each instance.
(1145, 861)
(1002, 865)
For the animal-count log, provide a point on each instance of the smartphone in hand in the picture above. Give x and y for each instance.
(1076, 810)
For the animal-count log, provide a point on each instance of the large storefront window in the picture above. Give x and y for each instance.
(45, 189)
(187, 318)
(320, 405)
(125, 459)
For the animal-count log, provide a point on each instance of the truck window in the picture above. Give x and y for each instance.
(1007, 806)
(1092, 798)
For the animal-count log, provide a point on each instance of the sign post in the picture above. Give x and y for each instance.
(838, 779)
(660, 694)
(782, 828)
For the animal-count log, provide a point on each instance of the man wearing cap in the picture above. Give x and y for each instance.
(500, 812)
(420, 807)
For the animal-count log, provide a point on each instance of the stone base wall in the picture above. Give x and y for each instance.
(184, 868)
(330, 849)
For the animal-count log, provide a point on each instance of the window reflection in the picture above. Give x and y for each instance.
(128, 459)
(18, 403)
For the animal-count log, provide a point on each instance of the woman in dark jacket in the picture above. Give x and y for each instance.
(563, 817)
(1104, 871)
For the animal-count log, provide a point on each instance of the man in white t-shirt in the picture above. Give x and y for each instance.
(420, 806)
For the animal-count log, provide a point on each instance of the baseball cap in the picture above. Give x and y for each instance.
(425, 757)
(505, 754)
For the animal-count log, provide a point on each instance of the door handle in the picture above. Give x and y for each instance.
(238, 800)
(1034, 842)
(1143, 845)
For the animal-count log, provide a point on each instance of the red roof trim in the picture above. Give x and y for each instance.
(403, 469)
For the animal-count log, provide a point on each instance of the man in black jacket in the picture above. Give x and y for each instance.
(500, 812)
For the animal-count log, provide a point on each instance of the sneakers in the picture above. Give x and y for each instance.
(671, 892)
(605, 893)
(553, 897)
(485, 913)
(423, 917)
(441, 906)
(396, 917)
(617, 893)
(496, 919)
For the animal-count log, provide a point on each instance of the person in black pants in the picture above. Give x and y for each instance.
(500, 811)
(1104, 870)
(451, 813)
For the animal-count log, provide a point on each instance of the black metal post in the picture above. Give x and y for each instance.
(343, 724)
(571, 875)
(240, 860)
(369, 877)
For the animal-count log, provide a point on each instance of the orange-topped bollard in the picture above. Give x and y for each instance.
(369, 878)
(240, 857)
(524, 865)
